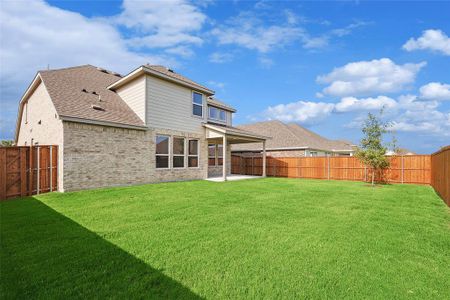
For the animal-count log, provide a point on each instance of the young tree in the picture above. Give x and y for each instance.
(6, 143)
(394, 144)
(372, 151)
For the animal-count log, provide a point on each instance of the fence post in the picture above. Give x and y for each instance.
(328, 167)
(365, 173)
(30, 181)
(274, 168)
(51, 169)
(3, 173)
(38, 170)
(253, 164)
(23, 171)
(403, 170)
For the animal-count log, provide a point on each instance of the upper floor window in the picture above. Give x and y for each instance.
(217, 114)
(197, 104)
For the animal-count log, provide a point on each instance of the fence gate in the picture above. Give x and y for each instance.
(28, 170)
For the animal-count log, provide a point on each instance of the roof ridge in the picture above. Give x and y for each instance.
(68, 68)
(178, 77)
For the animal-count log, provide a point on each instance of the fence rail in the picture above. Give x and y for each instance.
(440, 175)
(28, 170)
(403, 169)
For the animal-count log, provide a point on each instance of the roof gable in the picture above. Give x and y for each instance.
(162, 73)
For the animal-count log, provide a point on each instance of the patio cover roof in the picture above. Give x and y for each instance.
(234, 135)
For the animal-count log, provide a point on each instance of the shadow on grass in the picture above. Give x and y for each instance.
(46, 255)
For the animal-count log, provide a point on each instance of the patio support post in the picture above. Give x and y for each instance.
(264, 160)
(224, 158)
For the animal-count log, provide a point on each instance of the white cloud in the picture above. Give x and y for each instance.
(409, 114)
(35, 34)
(412, 102)
(315, 42)
(182, 51)
(368, 77)
(250, 31)
(259, 38)
(340, 32)
(220, 57)
(431, 39)
(424, 121)
(256, 30)
(265, 62)
(435, 91)
(161, 23)
(348, 104)
(216, 84)
(301, 111)
(291, 17)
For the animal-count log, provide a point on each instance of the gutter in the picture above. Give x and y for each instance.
(103, 123)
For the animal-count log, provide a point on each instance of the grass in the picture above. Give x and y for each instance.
(264, 238)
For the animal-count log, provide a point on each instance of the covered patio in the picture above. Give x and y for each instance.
(226, 136)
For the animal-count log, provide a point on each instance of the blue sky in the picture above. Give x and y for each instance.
(324, 65)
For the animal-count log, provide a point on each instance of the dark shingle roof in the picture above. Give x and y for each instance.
(289, 136)
(72, 92)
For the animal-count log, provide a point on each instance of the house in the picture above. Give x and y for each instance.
(151, 125)
(291, 140)
(400, 151)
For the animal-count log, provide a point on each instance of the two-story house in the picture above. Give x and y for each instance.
(151, 125)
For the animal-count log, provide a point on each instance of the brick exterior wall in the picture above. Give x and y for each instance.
(99, 156)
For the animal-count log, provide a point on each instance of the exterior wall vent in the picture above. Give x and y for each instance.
(96, 107)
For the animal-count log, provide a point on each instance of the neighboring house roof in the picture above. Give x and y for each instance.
(215, 102)
(400, 151)
(163, 73)
(288, 137)
(82, 93)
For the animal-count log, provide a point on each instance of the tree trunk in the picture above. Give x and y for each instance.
(373, 177)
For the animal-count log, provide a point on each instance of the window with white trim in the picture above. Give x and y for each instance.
(197, 104)
(313, 153)
(162, 151)
(178, 152)
(215, 113)
(193, 154)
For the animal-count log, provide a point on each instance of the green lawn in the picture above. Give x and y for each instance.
(263, 238)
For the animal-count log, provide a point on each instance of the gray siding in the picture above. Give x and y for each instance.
(134, 95)
(169, 106)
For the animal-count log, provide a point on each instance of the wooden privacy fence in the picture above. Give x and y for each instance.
(440, 175)
(403, 169)
(28, 170)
